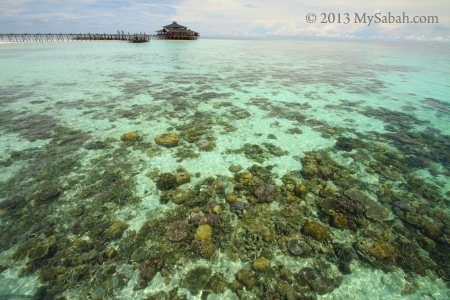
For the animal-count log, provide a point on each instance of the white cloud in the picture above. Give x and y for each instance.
(13, 8)
(224, 17)
(287, 18)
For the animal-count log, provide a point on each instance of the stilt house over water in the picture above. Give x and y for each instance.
(176, 31)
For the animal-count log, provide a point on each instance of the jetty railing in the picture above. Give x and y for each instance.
(65, 37)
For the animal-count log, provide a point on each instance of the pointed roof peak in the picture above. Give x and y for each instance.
(175, 25)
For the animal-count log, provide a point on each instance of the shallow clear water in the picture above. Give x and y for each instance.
(297, 169)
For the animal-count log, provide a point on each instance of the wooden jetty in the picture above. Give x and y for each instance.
(65, 37)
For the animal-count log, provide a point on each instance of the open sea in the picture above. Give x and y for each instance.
(224, 169)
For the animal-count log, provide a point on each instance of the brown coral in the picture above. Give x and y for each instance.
(261, 264)
(245, 276)
(338, 220)
(300, 190)
(382, 250)
(167, 139)
(315, 230)
(182, 177)
(130, 137)
(178, 231)
(430, 230)
(166, 181)
(116, 229)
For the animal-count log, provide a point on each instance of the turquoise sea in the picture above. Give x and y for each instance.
(224, 169)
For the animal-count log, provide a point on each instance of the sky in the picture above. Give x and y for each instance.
(228, 18)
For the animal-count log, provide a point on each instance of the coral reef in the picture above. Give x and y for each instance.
(130, 137)
(245, 276)
(382, 250)
(203, 233)
(147, 271)
(116, 229)
(261, 264)
(319, 280)
(264, 192)
(178, 231)
(203, 239)
(182, 177)
(166, 181)
(72, 218)
(297, 247)
(167, 139)
(338, 220)
(217, 283)
(316, 230)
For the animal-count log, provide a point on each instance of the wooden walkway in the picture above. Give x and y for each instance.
(65, 37)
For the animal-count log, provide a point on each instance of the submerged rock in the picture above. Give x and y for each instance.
(373, 210)
(196, 279)
(148, 269)
(377, 212)
(139, 255)
(429, 229)
(319, 280)
(39, 251)
(46, 195)
(167, 139)
(357, 195)
(325, 284)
